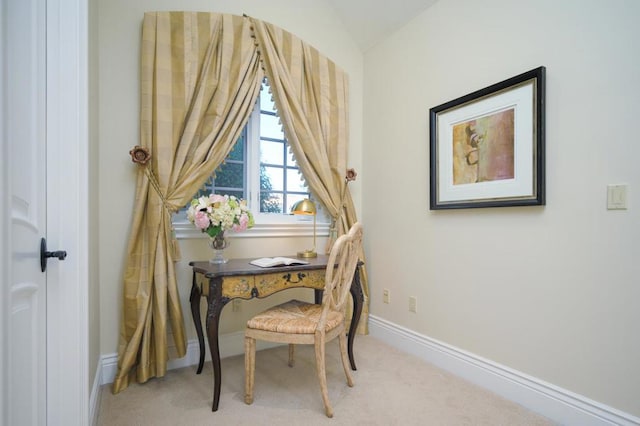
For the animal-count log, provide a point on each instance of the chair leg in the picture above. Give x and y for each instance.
(345, 359)
(249, 368)
(322, 374)
(291, 350)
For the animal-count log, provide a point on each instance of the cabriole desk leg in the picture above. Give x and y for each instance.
(194, 298)
(214, 308)
(358, 301)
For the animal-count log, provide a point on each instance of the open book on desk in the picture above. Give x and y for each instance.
(267, 262)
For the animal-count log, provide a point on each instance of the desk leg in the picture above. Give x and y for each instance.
(358, 301)
(194, 298)
(214, 308)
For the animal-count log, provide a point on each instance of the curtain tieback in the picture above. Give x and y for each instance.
(141, 156)
(336, 221)
(169, 208)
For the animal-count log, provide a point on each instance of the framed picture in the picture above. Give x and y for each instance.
(487, 147)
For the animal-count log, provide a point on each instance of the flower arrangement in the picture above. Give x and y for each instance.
(217, 213)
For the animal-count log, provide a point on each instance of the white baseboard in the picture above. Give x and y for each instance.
(230, 344)
(557, 404)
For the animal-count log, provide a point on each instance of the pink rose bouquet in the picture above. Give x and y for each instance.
(217, 213)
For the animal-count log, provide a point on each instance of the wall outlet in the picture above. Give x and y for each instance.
(385, 295)
(413, 304)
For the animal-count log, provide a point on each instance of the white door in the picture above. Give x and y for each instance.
(44, 376)
(25, 127)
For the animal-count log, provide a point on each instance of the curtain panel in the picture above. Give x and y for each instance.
(311, 95)
(200, 77)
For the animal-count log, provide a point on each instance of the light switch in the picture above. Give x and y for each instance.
(617, 197)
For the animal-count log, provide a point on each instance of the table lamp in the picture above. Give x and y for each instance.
(307, 207)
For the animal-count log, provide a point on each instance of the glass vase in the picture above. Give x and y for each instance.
(218, 244)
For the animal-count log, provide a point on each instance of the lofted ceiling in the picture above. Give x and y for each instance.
(370, 21)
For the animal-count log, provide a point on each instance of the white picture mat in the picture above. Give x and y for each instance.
(519, 98)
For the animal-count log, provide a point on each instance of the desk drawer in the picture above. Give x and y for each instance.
(267, 284)
(231, 286)
(237, 287)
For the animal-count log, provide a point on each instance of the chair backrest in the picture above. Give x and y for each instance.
(341, 268)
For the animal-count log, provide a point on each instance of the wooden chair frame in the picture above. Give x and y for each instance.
(328, 318)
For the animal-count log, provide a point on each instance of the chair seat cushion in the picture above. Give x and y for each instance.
(294, 317)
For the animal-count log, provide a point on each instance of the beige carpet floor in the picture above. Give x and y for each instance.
(391, 388)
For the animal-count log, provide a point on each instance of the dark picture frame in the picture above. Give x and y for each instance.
(487, 147)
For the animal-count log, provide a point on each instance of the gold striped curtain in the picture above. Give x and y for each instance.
(200, 77)
(311, 95)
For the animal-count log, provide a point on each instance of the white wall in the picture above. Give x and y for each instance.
(119, 29)
(550, 291)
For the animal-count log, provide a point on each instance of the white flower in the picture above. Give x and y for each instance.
(223, 212)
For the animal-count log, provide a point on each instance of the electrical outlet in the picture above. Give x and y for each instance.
(385, 295)
(235, 305)
(413, 304)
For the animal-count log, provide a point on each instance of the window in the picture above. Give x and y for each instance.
(280, 181)
(261, 169)
(230, 178)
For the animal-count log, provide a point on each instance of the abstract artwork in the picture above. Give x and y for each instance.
(487, 148)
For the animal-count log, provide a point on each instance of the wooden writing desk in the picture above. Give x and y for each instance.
(238, 279)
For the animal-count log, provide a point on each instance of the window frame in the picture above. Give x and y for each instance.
(266, 224)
